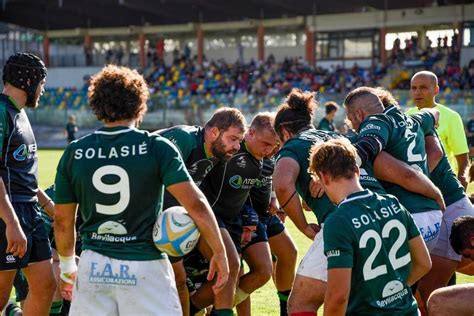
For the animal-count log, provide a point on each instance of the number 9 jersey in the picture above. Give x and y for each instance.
(369, 233)
(117, 176)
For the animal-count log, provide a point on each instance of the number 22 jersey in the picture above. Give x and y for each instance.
(369, 233)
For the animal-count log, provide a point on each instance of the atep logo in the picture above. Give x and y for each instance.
(23, 152)
(10, 259)
(235, 181)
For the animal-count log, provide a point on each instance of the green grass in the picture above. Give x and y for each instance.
(264, 300)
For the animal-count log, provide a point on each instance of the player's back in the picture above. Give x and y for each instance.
(404, 139)
(117, 176)
(369, 233)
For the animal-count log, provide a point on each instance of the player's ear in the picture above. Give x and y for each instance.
(214, 133)
(436, 90)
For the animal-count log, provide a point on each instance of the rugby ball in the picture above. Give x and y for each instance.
(175, 233)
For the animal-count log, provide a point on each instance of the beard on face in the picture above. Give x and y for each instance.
(218, 149)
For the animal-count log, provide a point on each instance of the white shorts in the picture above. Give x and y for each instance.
(107, 286)
(315, 264)
(443, 246)
(429, 224)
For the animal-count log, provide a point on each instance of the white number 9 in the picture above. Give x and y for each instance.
(122, 187)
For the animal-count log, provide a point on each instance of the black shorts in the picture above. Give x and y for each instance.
(38, 243)
(234, 227)
(21, 286)
(274, 226)
(197, 268)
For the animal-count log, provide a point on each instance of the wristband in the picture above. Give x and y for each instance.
(67, 266)
(273, 195)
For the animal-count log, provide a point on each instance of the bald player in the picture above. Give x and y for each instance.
(424, 89)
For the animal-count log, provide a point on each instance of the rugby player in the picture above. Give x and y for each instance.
(364, 231)
(23, 240)
(386, 128)
(201, 148)
(116, 177)
(227, 188)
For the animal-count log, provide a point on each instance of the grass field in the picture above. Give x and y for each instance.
(264, 300)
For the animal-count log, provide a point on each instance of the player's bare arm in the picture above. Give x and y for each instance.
(434, 153)
(420, 260)
(192, 199)
(463, 162)
(390, 169)
(337, 292)
(46, 202)
(65, 236)
(284, 179)
(16, 240)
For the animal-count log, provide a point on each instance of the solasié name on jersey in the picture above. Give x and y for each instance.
(112, 152)
(376, 215)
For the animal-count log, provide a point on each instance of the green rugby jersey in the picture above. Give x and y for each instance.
(117, 176)
(404, 138)
(369, 233)
(298, 148)
(444, 178)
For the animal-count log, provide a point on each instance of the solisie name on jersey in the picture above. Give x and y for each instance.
(375, 215)
(101, 153)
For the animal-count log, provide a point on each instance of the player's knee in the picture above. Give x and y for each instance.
(436, 302)
(263, 273)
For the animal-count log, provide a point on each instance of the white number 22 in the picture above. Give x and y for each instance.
(370, 272)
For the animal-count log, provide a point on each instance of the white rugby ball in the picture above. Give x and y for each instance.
(175, 233)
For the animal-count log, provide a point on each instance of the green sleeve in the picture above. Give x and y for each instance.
(286, 152)
(170, 164)
(64, 193)
(412, 229)
(426, 121)
(182, 140)
(323, 125)
(337, 243)
(375, 127)
(457, 141)
(3, 127)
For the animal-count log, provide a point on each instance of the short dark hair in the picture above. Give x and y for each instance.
(367, 94)
(335, 157)
(461, 232)
(226, 117)
(296, 112)
(118, 93)
(331, 106)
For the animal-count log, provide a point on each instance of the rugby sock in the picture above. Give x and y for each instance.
(222, 312)
(12, 310)
(240, 296)
(56, 308)
(283, 296)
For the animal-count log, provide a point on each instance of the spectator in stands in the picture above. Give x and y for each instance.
(327, 122)
(71, 129)
(457, 299)
(424, 89)
(119, 55)
(108, 56)
(470, 132)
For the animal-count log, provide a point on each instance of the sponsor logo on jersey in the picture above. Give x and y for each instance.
(24, 152)
(370, 126)
(237, 182)
(107, 275)
(396, 291)
(333, 253)
(10, 259)
(241, 162)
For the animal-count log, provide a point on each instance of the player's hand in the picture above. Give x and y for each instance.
(66, 286)
(16, 239)
(218, 265)
(273, 207)
(311, 230)
(316, 188)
